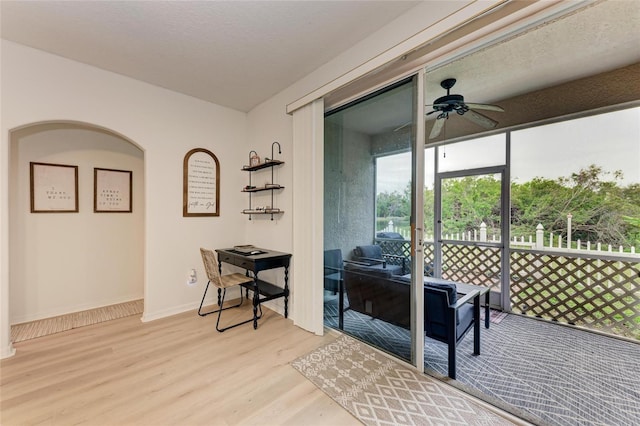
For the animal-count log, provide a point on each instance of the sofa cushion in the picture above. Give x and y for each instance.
(371, 251)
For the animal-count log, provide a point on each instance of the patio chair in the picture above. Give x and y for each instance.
(333, 281)
(333, 270)
(448, 319)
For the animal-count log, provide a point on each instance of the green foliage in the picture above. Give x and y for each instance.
(601, 209)
(597, 203)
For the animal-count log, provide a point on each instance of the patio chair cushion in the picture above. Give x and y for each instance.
(464, 318)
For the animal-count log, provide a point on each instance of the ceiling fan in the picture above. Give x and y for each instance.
(450, 103)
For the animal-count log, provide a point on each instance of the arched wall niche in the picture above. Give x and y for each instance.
(68, 262)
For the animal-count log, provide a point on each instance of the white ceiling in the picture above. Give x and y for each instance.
(599, 37)
(240, 53)
(596, 38)
(232, 53)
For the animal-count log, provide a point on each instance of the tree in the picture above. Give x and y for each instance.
(598, 206)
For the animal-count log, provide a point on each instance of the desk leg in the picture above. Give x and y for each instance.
(256, 300)
(286, 292)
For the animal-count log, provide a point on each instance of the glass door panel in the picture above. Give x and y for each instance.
(470, 228)
(369, 148)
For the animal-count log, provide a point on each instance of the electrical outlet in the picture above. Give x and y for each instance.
(192, 278)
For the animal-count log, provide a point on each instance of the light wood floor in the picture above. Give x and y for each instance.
(173, 371)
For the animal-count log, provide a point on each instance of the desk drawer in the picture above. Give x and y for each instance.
(222, 257)
(245, 264)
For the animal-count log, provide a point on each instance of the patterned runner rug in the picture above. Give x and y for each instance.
(380, 391)
(44, 327)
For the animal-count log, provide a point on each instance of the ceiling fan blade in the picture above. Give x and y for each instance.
(485, 106)
(480, 120)
(437, 127)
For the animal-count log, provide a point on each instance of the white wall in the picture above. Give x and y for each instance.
(39, 87)
(68, 262)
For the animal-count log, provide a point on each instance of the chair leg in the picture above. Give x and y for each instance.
(452, 360)
(452, 340)
(476, 325)
(254, 318)
(220, 302)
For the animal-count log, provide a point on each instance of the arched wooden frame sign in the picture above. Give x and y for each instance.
(201, 184)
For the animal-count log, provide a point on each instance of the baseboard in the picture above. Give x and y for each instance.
(8, 351)
(73, 309)
(168, 312)
(175, 310)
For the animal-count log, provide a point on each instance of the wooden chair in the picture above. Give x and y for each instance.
(223, 282)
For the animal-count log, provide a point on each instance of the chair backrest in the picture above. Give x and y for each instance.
(332, 261)
(211, 266)
(437, 298)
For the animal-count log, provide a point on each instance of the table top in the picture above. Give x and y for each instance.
(461, 288)
(256, 253)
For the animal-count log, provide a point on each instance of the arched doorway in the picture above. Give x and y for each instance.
(63, 263)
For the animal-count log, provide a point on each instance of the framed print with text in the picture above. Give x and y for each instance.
(201, 184)
(54, 188)
(112, 191)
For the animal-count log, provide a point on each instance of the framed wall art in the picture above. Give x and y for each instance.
(112, 191)
(201, 184)
(54, 188)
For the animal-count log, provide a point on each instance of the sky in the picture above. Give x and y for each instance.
(610, 140)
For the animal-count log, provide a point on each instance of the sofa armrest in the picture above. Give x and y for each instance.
(373, 261)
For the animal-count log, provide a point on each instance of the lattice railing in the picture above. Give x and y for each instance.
(471, 264)
(602, 294)
(403, 248)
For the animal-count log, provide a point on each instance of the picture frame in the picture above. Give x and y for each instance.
(53, 188)
(112, 191)
(201, 184)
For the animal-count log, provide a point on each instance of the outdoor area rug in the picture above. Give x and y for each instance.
(46, 326)
(380, 391)
(537, 370)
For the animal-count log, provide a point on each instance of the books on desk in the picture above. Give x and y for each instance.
(245, 249)
(248, 250)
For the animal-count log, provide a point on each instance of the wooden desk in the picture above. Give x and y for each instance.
(262, 290)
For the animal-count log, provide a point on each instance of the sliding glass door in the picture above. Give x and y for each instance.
(369, 231)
